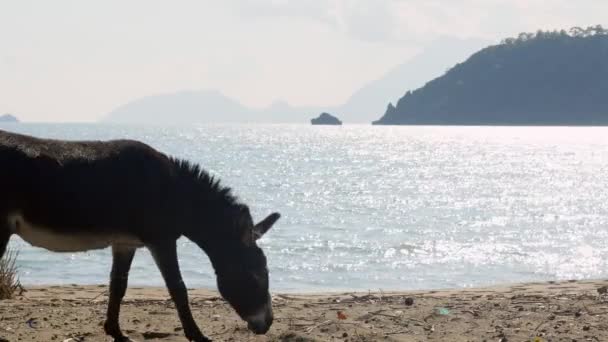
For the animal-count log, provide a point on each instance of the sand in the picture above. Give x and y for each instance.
(554, 311)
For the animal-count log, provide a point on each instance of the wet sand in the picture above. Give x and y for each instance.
(553, 311)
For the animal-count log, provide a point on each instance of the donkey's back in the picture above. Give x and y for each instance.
(65, 150)
(81, 195)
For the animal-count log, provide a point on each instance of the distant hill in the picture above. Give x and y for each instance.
(211, 106)
(8, 118)
(363, 106)
(545, 78)
(181, 107)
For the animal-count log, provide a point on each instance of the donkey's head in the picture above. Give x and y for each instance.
(242, 275)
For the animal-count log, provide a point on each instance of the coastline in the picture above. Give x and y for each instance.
(565, 310)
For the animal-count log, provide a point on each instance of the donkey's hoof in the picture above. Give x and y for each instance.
(124, 339)
(197, 337)
(201, 339)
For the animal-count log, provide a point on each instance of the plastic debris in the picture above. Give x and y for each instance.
(443, 311)
(31, 323)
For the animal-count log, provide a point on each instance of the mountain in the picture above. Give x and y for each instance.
(283, 112)
(545, 78)
(210, 106)
(8, 118)
(181, 107)
(369, 102)
(364, 105)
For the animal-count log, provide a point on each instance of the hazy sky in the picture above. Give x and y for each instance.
(77, 60)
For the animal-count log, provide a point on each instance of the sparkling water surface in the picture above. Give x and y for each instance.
(367, 207)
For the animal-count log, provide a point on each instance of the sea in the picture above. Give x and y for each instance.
(380, 208)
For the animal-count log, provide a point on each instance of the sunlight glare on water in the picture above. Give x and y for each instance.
(368, 207)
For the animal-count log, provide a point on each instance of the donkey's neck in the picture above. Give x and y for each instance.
(209, 208)
(215, 236)
(212, 228)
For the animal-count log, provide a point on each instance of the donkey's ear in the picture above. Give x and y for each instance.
(261, 228)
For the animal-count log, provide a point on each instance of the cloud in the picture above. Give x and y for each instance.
(370, 21)
(425, 20)
(367, 20)
(313, 10)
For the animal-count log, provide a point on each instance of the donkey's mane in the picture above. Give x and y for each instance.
(201, 181)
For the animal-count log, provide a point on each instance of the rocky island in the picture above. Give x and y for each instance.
(326, 119)
(8, 118)
(553, 78)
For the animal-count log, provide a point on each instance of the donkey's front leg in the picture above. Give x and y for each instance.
(121, 263)
(165, 256)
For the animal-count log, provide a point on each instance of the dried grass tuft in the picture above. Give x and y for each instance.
(9, 281)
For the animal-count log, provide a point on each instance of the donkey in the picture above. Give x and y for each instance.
(69, 196)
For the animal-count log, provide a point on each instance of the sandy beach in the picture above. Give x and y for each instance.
(551, 311)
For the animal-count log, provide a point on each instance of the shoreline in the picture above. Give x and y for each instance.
(554, 310)
(314, 290)
(154, 291)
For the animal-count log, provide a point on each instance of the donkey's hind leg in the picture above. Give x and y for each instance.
(121, 264)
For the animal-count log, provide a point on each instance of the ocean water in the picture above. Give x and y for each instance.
(381, 208)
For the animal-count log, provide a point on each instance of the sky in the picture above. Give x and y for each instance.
(73, 60)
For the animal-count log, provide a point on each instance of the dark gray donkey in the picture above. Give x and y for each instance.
(69, 196)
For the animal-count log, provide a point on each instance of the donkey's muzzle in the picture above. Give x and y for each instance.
(260, 322)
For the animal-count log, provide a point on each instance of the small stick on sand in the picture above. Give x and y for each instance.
(309, 330)
(105, 292)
